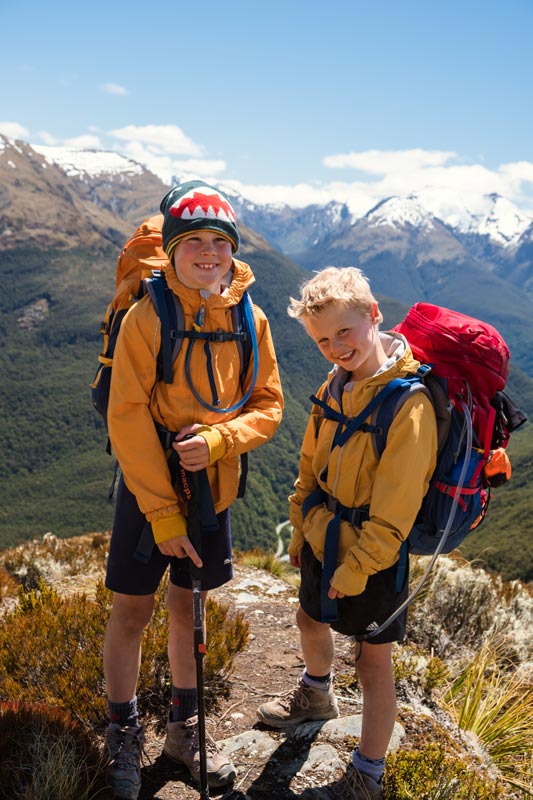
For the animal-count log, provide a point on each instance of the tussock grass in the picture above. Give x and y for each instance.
(46, 755)
(52, 559)
(268, 561)
(493, 701)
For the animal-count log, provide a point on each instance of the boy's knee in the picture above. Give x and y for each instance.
(374, 665)
(132, 613)
(180, 604)
(307, 624)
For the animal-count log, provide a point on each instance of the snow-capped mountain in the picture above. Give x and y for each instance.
(417, 246)
(67, 198)
(296, 229)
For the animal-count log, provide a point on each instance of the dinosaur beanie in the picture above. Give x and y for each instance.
(196, 206)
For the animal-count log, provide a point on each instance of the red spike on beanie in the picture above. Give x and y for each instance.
(196, 206)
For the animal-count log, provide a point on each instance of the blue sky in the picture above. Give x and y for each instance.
(301, 100)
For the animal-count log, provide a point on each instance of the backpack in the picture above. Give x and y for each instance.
(464, 368)
(139, 272)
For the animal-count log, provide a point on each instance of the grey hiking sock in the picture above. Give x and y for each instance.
(317, 682)
(370, 766)
(124, 714)
(184, 704)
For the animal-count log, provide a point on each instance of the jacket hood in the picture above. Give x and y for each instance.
(400, 361)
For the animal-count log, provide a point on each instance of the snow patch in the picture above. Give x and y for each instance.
(89, 162)
(397, 212)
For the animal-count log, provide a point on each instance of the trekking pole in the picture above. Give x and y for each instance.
(191, 480)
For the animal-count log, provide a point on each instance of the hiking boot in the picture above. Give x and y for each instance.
(302, 704)
(124, 769)
(182, 744)
(353, 785)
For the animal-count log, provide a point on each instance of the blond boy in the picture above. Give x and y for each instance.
(341, 315)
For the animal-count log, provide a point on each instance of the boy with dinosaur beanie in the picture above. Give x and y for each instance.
(215, 417)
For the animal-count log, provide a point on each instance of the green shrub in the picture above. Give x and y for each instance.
(430, 774)
(417, 668)
(46, 755)
(51, 650)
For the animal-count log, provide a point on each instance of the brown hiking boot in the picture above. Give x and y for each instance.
(302, 704)
(124, 748)
(182, 744)
(353, 785)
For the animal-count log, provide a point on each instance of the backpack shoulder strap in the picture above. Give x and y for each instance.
(169, 311)
(421, 381)
(242, 320)
(397, 384)
(358, 423)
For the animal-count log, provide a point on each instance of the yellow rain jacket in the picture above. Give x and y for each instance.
(392, 486)
(137, 399)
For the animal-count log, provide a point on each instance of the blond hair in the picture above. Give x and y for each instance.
(346, 285)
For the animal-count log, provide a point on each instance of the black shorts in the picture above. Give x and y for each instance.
(355, 613)
(127, 574)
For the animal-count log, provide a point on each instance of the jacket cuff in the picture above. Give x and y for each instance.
(296, 543)
(348, 582)
(214, 440)
(169, 528)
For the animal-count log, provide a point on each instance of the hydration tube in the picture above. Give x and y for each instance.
(249, 315)
(442, 542)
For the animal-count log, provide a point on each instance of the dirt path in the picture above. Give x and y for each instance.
(271, 664)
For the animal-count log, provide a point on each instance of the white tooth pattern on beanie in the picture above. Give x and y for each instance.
(194, 206)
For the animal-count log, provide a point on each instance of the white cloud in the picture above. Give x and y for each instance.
(165, 167)
(86, 141)
(383, 162)
(14, 130)
(446, 188)
(297, 195)
(114, 89)
(48, 138)
(162, 138)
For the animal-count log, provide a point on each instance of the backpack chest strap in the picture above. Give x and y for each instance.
(358, 423)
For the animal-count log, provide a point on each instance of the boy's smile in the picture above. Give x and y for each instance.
(202, 259)
(348, 337)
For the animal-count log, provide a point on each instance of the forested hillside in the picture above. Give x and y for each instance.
(57, 278)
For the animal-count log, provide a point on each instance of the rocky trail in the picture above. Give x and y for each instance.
(268, 763)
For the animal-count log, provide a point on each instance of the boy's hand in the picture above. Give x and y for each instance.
(181, 547)
(294, 561)
(334, 594)
(193, 452)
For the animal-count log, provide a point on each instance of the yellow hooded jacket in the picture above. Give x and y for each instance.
(392, 486)
(137, 399)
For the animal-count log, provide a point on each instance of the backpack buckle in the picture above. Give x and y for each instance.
(332, 504)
